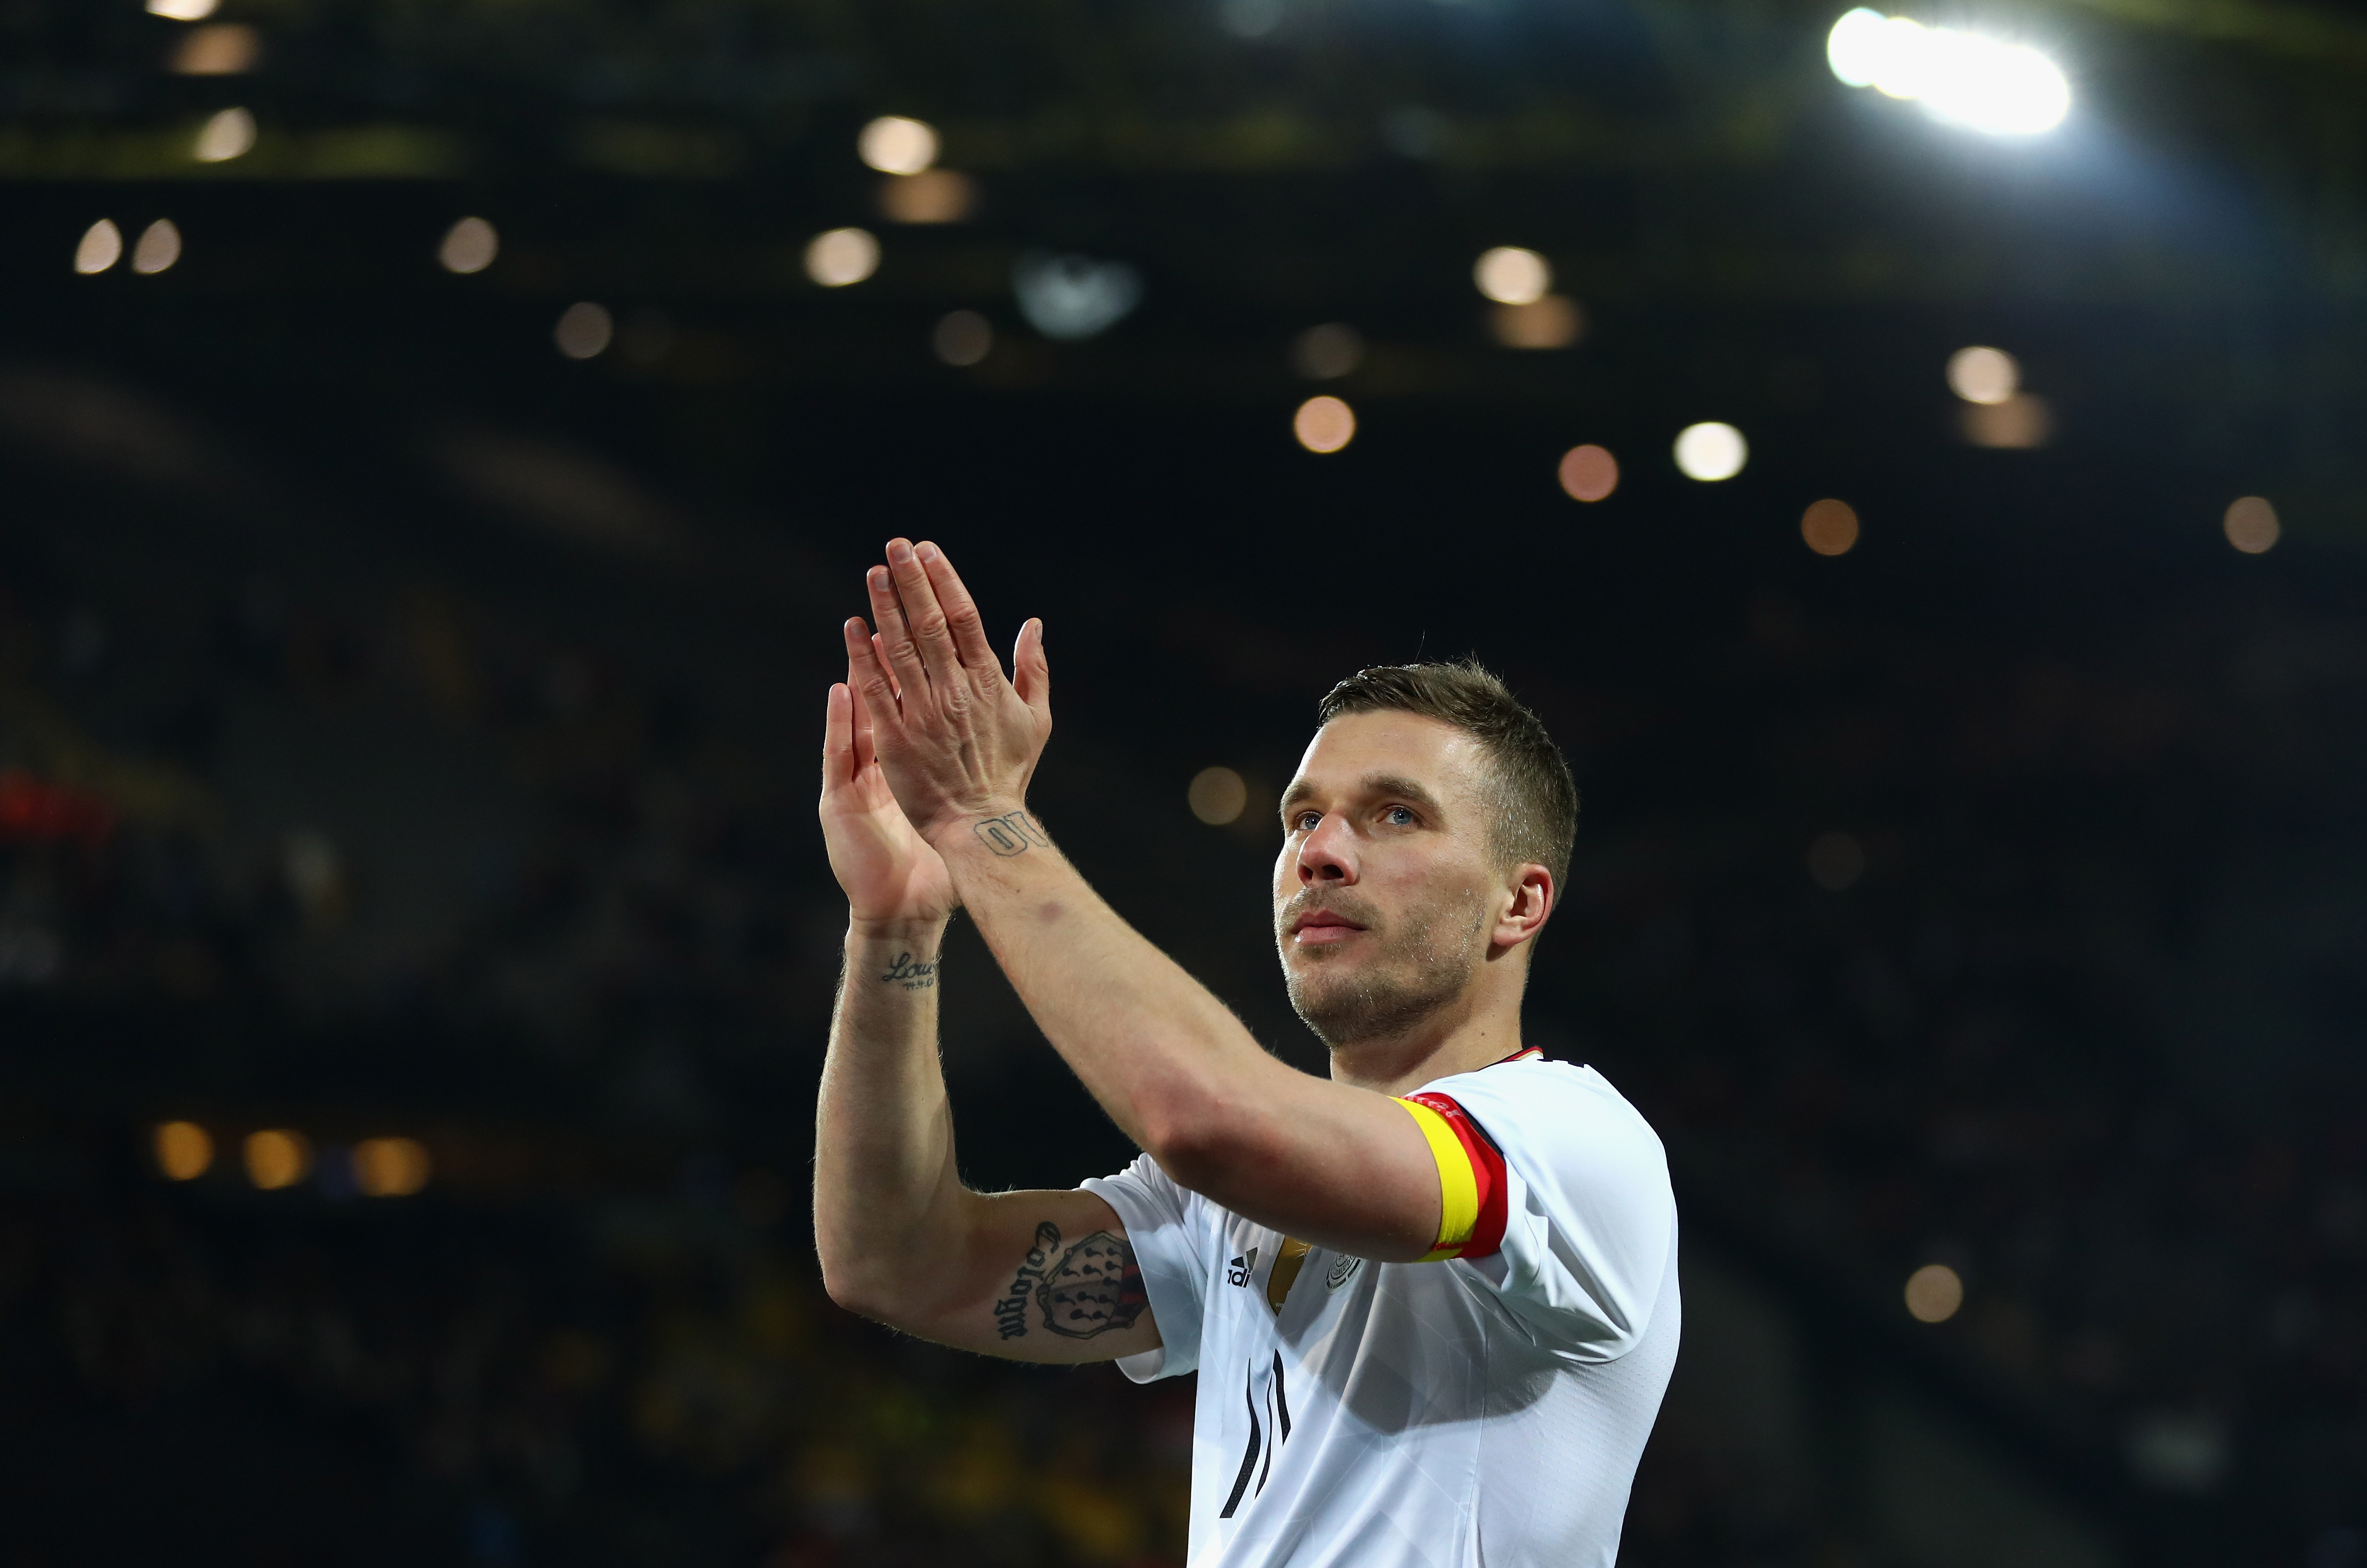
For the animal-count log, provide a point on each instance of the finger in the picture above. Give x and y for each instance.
(895, 636)
(882, 654)
(925, 616)
(859, 718)
(838, 737)
(961, 611)
(869, 676)
(1033, 670)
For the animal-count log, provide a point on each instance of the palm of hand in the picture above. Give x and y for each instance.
(886, 870)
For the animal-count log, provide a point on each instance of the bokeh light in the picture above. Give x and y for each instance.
(1933, 1293)
(1711, 452)
(935, 195)
(1552, 321)
(1511, 275)
(1219, 795)
(894, 144)
(469, 246)
(1836, 861)
(183, 10)
(1830, 527)
(2019, 424)
(1984, 375)
(1588, 473)
(1328, 352)
(390, 1167)
(962, 337)
(1959, 78)
(159, 247)
(1324, 424)
(225, 48)
(838, 257)
(584, 330)
(276, 1157)
(2251, 524)
(101, 247)
(184, 1150)
(227, 135)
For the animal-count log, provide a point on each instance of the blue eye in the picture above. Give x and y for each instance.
(1401, 816)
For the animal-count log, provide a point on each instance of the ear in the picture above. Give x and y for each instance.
(1532, 892)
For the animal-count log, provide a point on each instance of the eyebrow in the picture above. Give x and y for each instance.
(1371, 784)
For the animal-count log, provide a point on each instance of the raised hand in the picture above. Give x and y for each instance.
(958, 741)
(890, 875)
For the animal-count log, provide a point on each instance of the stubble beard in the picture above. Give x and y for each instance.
(1422, 963)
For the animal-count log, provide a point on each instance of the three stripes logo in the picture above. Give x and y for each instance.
(1257, 1459)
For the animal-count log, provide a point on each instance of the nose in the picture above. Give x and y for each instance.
(1327, 854)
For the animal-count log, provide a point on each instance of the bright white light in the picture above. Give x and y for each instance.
(1983, 374)
(230, 134)
(2004, 89)
(101, 247)
(895, 145)
(1511, 275)
(183, 10)
(1853, 48)
(1711, 452)
(840, 256)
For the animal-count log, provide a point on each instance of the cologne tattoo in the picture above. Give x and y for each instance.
(1011, 1311)
(1012, 835)
(1098, 1287)
(912, 974)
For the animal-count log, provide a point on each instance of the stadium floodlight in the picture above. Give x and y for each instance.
(1962, 79)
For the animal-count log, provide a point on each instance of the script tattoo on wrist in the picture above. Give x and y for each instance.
(912, 974)
(1012, 835)
(1011, 1311)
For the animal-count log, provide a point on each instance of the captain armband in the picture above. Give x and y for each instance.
(1470, 1179)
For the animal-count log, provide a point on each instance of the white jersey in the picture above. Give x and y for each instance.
(1483, 1410)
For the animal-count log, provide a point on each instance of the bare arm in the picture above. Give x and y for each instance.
(1325, 1162)
(1034, 1276)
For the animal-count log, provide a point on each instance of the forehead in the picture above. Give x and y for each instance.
(1358, 745)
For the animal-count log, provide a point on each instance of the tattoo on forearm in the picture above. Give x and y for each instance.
(912, 974)
(1011, 1311)
(1096, 1286)
(1012, 835)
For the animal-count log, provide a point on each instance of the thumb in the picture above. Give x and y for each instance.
(1031, 672)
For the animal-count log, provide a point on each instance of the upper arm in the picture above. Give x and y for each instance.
(1342, 1167)
(1032, 1277)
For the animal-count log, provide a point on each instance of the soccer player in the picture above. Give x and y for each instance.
(1432, 1299)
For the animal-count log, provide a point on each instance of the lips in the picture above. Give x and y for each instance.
(1322, 928)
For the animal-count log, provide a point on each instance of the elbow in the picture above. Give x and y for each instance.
(860, 1289)
(1197, 1141)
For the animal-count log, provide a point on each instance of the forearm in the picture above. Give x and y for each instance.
(886, 1190)
(1164, 1058)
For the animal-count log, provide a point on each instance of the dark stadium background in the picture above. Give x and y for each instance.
(407, 731)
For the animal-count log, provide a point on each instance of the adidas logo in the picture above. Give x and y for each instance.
(1238, 1271)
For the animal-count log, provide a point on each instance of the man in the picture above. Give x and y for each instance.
(1432, 1299)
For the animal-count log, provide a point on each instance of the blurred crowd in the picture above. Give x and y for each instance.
(1932, 948)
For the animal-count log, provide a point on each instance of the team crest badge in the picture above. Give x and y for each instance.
(1343, 1268)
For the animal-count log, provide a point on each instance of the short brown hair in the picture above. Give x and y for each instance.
(1537, 799)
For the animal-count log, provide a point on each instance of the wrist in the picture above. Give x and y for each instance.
(1003, 828)
(917, 932)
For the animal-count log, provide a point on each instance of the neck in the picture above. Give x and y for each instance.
(1435, 1048)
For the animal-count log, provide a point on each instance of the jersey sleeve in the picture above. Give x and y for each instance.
(1557, 1199)
(1164, 1224)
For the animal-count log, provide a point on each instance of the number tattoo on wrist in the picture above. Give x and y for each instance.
(1012, 835)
